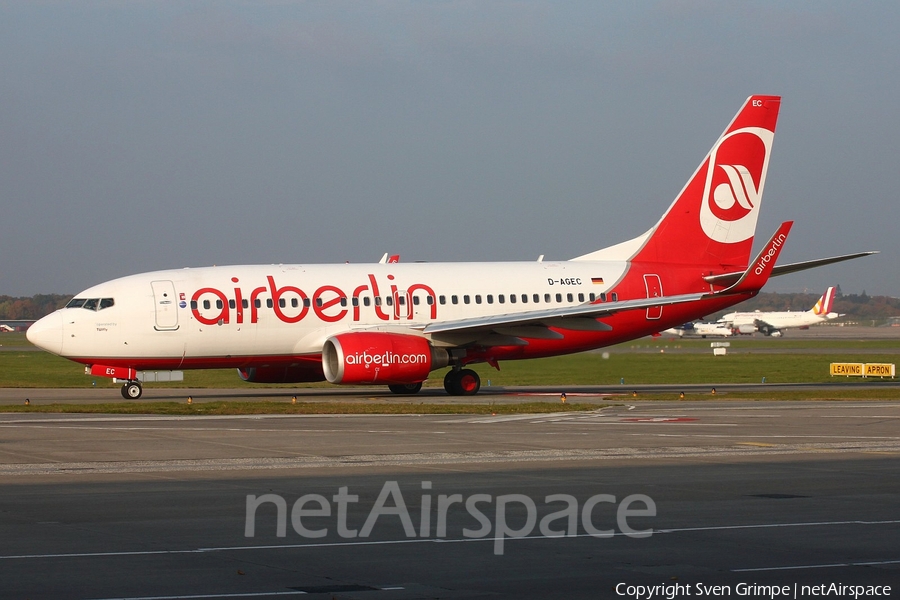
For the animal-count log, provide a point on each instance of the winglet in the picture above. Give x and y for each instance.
(757, 274)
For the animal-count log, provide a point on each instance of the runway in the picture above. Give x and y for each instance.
(787, 493)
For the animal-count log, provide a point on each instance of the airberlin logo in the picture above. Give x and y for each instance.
(385, 359)
(734, 185)
(766, 258)
(291, 304)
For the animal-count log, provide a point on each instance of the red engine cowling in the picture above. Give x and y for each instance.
(377, 357)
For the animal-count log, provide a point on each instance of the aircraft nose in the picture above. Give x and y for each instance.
(47, 333)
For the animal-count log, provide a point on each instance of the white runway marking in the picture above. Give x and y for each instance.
(667, 531)
(438, 458)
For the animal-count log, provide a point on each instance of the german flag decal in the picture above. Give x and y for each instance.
(597, 280)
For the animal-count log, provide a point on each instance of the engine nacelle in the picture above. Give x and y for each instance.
(746, 329)
(378, 357)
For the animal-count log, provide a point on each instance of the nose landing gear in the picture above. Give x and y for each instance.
(132, 390)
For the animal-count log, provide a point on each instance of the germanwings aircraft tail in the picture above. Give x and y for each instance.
(823, 306)
(394, 323)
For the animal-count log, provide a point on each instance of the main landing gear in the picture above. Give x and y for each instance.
(132, 390)
(406, 388)
(462, 382)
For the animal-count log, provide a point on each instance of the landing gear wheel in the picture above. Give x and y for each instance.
(132, 390)
(464, 382)
(406, 388)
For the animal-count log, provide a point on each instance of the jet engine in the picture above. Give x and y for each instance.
(379, 357)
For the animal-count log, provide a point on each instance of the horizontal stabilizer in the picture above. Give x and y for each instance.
(760, 269)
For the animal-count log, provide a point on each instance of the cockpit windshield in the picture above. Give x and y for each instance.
(91, 303)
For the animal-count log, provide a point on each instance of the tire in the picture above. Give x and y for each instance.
(462, 383)
(406, 388)
(132, 390)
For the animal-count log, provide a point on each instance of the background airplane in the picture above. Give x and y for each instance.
(773, 322)
(700, 329)
(394, 323)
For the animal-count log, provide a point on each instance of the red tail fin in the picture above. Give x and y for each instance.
(712, 221)
(823, 306)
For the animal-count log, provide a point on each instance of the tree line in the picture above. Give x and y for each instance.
(34, 307)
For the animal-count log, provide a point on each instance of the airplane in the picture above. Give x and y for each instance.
(700, 329)
(395, 323)
(772, 323)
(6, 328)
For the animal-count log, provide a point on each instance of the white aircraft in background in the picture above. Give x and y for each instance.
(773, 322)
(700, 329)
(6, 328)
(394, 323)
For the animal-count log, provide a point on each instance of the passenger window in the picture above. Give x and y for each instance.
(269, 303)
(231, 304)
(416, 300)
(490, 298)
(466, 299)
(615, 297)
(319, 302)
(512, 298)
(602, 296)
(377, 300)
(307, 302)
(477, 298)
(536, 298)
(219, 304)
(355, 301)
(106, 303)
(256, 302)
(524, 298)
(546, 297)
(245, 303)
(592, 297)
(295, 302)
(442, 299)
(367, 301)
(206, 305)
(389, 301)
(429, 300)
(559, 297)
(569, 298)
(401, 300)
(193, 305)
(343, 301)
(455, 299)
(581, 297)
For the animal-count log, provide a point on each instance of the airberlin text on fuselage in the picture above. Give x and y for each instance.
(328, 302)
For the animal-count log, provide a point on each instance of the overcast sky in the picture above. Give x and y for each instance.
(137, 136)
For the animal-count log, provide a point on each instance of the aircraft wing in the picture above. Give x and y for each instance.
(576, 317)
(730, 278)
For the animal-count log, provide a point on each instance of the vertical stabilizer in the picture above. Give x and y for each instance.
(823, 306)
(712, 221)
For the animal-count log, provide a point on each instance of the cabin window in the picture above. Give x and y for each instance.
(231, 304)
(219, 304)
(206, 305)
(442, 299)
(602, 296)
(282, 303)
(524, 298)
(245, 303)
(536, 298)
(592, 296)
(307, 302)
(355, 301)
(429, 300)
(367, 301)
(490, 298)
(569, 298)
(477, 298)
(581, 297)
(546, 297)
(269, 303)
(466, 299)
(512, 298)
(615, 297)
(343, 301)
(401, 300)
(377, 300)
(295, 302)
(416, 300)
(455, 299)
(319, 302)
(193, 305)
(389, 301)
